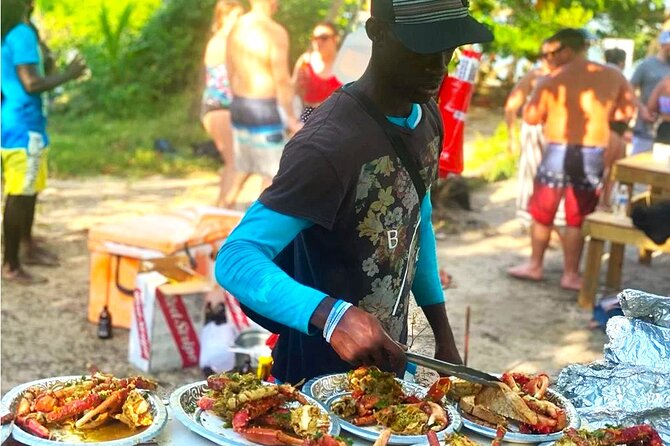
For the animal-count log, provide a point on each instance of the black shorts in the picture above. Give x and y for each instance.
(619, 127)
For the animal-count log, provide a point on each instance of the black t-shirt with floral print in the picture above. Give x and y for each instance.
(341, 173)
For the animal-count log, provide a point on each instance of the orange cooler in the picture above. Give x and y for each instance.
(117, 250)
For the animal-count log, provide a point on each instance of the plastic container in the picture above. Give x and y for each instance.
(354, 54)
(117, 249)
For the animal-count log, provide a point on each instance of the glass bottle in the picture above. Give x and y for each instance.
(105, 324)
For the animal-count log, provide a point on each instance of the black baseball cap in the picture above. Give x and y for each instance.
(431, 26)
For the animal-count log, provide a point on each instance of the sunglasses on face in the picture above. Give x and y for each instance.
(549, 54)
(322, 37)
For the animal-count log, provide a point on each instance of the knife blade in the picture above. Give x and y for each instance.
(460, 371)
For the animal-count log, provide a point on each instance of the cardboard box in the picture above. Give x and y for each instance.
(117, 249)
(168, 315)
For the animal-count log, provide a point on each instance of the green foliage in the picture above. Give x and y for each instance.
(94, 144)
(521, 25)
(167, 55)
(113, 37)
(73, 23)
(637, 20)
(138, 51)
(300, 16)
(490, 158)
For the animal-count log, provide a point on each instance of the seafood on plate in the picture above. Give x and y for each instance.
(6, 418)
(640, 435)
(84, 405)
(520, 399)
(378, 398)
(267, 414)
(457, 439)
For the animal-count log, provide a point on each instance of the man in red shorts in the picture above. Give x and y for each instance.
(575, 104)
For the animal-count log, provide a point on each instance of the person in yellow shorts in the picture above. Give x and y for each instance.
(24, 139)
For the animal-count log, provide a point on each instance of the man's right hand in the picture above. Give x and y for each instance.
(360, 339)
(76, 68)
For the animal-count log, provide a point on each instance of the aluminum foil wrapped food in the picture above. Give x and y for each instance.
(645, 306)
(636, 342)
(618, 394)
(632, 384)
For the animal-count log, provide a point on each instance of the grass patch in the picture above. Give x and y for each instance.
(96, 144)
(490, 159)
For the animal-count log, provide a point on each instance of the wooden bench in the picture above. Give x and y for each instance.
(619, 231)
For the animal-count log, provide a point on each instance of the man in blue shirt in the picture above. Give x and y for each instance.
(646, 77)
(24, 140)
(329, 253)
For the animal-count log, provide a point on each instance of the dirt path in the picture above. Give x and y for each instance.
(514, 324)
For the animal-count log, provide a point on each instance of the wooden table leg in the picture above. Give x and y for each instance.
(645, 256)
(587, 295)
(615, 265)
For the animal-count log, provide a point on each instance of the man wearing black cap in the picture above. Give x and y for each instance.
(329, 253)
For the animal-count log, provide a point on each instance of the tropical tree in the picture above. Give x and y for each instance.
(520, 25)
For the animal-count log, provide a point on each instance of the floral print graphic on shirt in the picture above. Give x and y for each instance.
(388, 212)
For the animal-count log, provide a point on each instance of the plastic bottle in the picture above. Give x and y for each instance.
(354, 54)
(621, 208)
(105, 324)
(264, 367)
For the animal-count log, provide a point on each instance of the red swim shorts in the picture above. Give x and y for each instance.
(571, 171)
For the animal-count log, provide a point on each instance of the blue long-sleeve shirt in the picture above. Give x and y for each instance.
(245, 268)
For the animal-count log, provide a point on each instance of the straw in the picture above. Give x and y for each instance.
(466, 348)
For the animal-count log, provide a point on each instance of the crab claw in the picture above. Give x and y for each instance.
(432, 438)
(439, 389)
(437, 416)
(270, 437)
(73, 408)
(537, 386)
(240, 420)
(33, 426)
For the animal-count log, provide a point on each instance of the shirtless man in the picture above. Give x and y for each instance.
(258, 68)
(575, 104)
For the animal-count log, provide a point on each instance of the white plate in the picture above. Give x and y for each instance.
(514, 436)
(329, 388)
(184, 403)
(5, 429)
(158, 411)
(5, 432)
